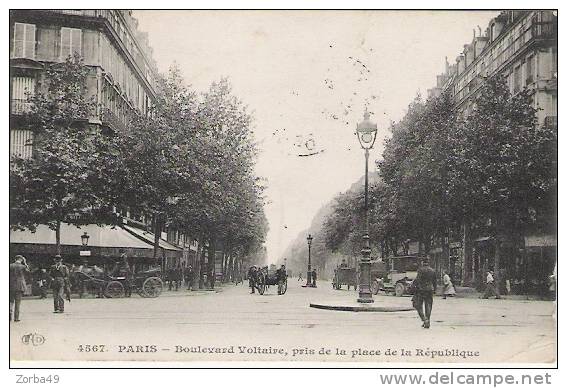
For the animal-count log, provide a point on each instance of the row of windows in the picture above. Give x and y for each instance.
(500, 53)
(71, 41)
(24, 42)
(114, 64)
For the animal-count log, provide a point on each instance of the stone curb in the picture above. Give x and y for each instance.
(360, 308)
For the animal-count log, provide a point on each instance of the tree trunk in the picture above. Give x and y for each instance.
(212, 261)
(157, 233)
(201, 261)
(58, 238)
(467, 254)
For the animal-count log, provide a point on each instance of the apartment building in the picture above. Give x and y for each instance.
(122, 81)
(522, 46)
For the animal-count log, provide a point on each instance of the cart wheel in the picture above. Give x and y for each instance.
(284, 287)
(400, 289)
(152, 287)
(114, 289)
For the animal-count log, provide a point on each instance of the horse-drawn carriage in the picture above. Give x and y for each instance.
(266, 278)
(147, 284)
(345, 276)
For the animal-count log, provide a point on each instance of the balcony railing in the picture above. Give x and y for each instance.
(550, 121)
(20, 107)
(113, 18)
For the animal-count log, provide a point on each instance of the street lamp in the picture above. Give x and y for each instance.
(85, 242)
(85, 239)
(309, 279)
(366, 132)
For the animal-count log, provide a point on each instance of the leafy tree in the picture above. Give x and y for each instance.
(64, 179)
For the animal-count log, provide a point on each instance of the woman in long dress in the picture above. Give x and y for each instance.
(448, 289)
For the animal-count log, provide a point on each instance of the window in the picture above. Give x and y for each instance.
(70, 42)
(21, 143)
(24, 41)
(517, 79)
(530, 70)
(22, 88)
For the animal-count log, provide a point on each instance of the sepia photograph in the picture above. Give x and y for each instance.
(270, 187)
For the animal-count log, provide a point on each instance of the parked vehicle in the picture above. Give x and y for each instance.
(345, 276)
(398, 274)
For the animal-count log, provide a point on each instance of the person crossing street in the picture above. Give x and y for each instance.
(59, 274)
(17, 285)
(424, 287)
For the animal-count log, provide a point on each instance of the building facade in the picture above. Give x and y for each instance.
(122, 82)
(522, 47)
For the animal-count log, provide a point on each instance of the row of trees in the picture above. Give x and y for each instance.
(444, 173)
(187, 164)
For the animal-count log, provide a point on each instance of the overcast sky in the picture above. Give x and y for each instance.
(306, 76)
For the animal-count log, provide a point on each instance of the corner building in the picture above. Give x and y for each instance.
(521, 46)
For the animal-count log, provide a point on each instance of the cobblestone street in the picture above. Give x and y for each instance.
(188, 326)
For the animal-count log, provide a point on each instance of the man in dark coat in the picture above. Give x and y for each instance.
(252, 275)
(281, 276)
(59, 274)
(17, 285)
(424, 287)
(314, 277)
(189, 275)
(122, 269)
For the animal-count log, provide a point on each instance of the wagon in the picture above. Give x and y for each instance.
(266, 278)
(147, 284)
(345, 276)
(400, 271)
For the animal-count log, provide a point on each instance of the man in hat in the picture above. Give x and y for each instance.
(60, 276)
(424, 287)
(17, 285)
(252, 274)
(122, 269)
(282, 276)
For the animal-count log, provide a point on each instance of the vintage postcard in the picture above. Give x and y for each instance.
(339, 186)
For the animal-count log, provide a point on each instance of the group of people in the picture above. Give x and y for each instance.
(425, 285)
(254, 274)
(58, 275)
(177, 275)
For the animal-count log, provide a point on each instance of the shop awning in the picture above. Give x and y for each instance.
(540, 241)
(149, 238)
(100, 236)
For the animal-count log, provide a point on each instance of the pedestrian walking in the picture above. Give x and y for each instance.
(59, 274)
(491, 286)
(189, 275)
(424, 287)
(299, 277)
(18, 270)
(314, 277)
(448, 288)
(252, 274)
(282, 276)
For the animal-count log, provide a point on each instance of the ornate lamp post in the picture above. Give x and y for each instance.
(309, 279)
(366, 133)
(85, 239)
(85, 243)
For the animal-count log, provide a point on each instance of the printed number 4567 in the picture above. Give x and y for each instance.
(91, 348)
